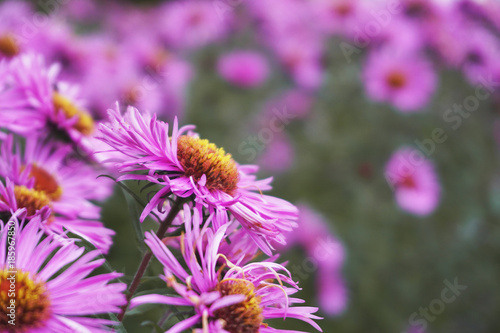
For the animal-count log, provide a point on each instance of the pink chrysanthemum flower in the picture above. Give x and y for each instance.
(53, 293)
(237, 300)
(414, 181)
(243, 68)
(185, 165)
(41, 176)
(407, 82)
(35, 102)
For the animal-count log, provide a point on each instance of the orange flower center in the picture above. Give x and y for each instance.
(200, 157)
(84, 123)
(31, 302)
(244, 317)
(45, 182)
(8, 46)
(407, 181)
(396, 80)
(343, 9)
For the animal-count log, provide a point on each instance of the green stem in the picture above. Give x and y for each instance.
(176, 208)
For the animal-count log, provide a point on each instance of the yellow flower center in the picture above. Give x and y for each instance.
(200, 157)
(23, 300)
(244, 317)
(8, 46)
(45, 182)
(84, 123)
(31, 199)
(396, 80)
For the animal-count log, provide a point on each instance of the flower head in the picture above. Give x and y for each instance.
(224, 297)
(414, 181)
(40, 176)
(405, 82)
(185, 165)
(243, 68)
(35, 102)
(191, 24)
(53, 292)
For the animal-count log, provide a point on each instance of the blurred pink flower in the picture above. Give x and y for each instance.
(414, 329)
(12, 13)
(399, 34)
(295, 102)
(414, 181)
(301, 57)
(343, 17)
(422, 11)
(480, 54)
(279, 154)
(290, 29)
(38, 103)
(243, 68)
(325, 250)
(331, 291)
(405, 80)
(192, 23)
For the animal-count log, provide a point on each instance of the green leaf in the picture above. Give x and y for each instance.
(152, 324)
(119, 325)
(135, 218)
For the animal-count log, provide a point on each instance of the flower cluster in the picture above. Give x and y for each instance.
(64, 65)
(145, 58)
(227, 221)
(55, 141)
(49, 170)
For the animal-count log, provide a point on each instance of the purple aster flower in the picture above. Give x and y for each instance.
(341, 16)
(53, 290)
(399, 34)
(414, 181)
(243, 68)
(315, 235)
(41, 176)
(36, 103)
(480, 54)
(236, 299)
(406, 81)
(302, 58)
(185, 165)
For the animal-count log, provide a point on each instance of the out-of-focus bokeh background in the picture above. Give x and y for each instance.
(322, 94)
